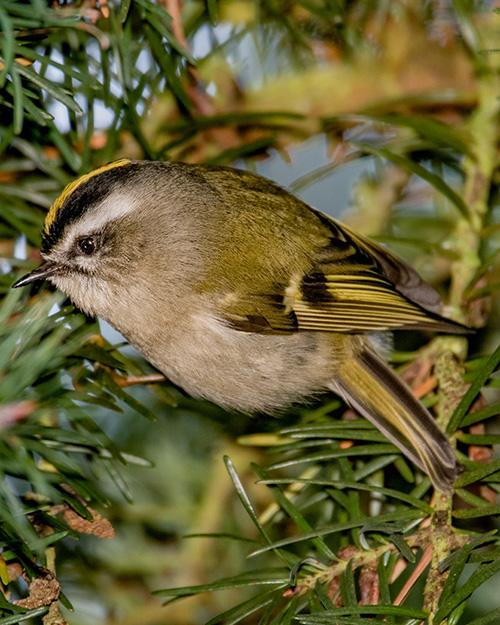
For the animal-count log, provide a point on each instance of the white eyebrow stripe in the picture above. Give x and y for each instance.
(113, 207)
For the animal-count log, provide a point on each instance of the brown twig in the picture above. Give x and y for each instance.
(174, 8)
(130, 380)
(425, 387)
(415, 575)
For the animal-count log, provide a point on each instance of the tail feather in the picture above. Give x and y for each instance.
(374, 390)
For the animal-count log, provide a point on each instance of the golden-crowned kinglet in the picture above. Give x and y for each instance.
(242, 294)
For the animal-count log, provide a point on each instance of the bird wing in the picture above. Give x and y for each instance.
(353, 285)
(358, 301)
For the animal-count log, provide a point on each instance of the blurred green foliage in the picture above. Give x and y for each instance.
(340, 528)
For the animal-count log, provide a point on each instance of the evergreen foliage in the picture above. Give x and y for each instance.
(340, 527)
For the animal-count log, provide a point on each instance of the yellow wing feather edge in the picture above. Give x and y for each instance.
(363, 307)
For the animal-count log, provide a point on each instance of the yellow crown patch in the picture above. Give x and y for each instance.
(72, 186)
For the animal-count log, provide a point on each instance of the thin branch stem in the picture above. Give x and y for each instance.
(467, 243)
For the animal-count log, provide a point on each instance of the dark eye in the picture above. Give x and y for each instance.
(87, 245)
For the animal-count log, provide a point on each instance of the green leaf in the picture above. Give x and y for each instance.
(479, 439)
(259, 577)
(247, 504)
(284, 616)
(47, 541)
(348, 586)
(475, 513)
(402, 546)
(400, 515)
(124, 9)
(491, 617)
(304, 181)
(18, 102)
(319, 590)
(385, 567)
(456, 614)
(20, 618)
(69, 154)
(485, 555)
(377, 464)
(476, 471)
(166, 63)
(121, 484)
(433, 130)
(347, 620)
(238, 613)
(157, 18)
(346, 484)
(294, 513)
(106, 379)
(26, 194)
(481, 575)
(56, 92)
(242, 151)
(328, 616)
(360, 434)
(8, 41)
(221, 535)
(212, 11)
(467, 400)
(85, 78)
(456, 570)
(254, 118)
(438, 183)
(351, 452)
(38, 115)
(480, 415)
(95, 353)
(327, 429)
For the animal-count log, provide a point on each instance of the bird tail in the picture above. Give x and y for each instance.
(373, 389)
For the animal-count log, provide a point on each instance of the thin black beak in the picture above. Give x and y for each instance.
(46, 269)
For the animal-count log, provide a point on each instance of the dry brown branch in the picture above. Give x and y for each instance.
(423, 563)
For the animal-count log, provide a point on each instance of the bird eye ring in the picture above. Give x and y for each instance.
(87, 245)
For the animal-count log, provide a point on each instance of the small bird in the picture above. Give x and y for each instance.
(242, 294)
